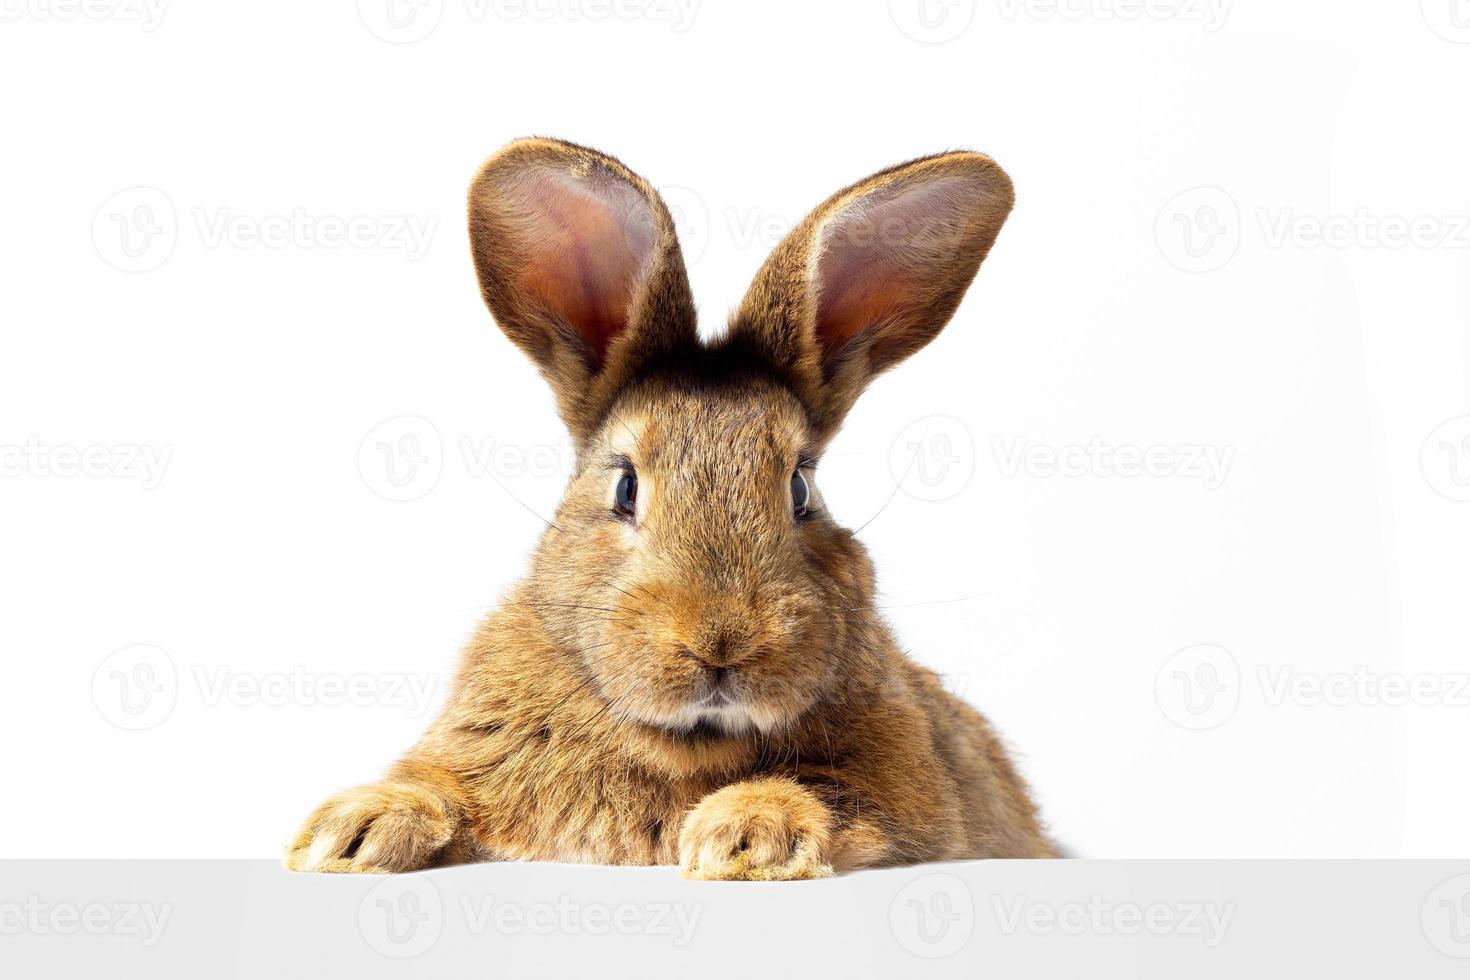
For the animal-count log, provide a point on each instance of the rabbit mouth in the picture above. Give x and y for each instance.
(717, 698)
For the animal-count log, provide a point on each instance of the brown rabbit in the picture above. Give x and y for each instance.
(693, 671)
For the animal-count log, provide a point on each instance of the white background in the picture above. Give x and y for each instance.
(175, 181)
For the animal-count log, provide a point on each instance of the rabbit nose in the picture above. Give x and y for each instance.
(715, 675)
(720, 637)
(710, 660)
(715, 654)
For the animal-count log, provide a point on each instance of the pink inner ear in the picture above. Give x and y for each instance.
(585, 244)
(885, 254)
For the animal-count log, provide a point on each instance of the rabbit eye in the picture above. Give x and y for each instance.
(801, 494)
(625, 495)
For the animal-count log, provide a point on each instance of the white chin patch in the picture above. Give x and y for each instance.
(728, 718)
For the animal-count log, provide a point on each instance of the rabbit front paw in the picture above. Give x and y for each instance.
(762, 830)
(375, 829)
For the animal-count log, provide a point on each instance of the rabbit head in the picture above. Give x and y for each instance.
(692, 568)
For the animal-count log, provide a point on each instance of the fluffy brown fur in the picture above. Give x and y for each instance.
(704, 680)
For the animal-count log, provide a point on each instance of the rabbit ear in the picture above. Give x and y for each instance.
(578, 261)
(870, 276)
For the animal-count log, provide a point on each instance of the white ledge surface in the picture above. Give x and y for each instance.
(973, 919)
